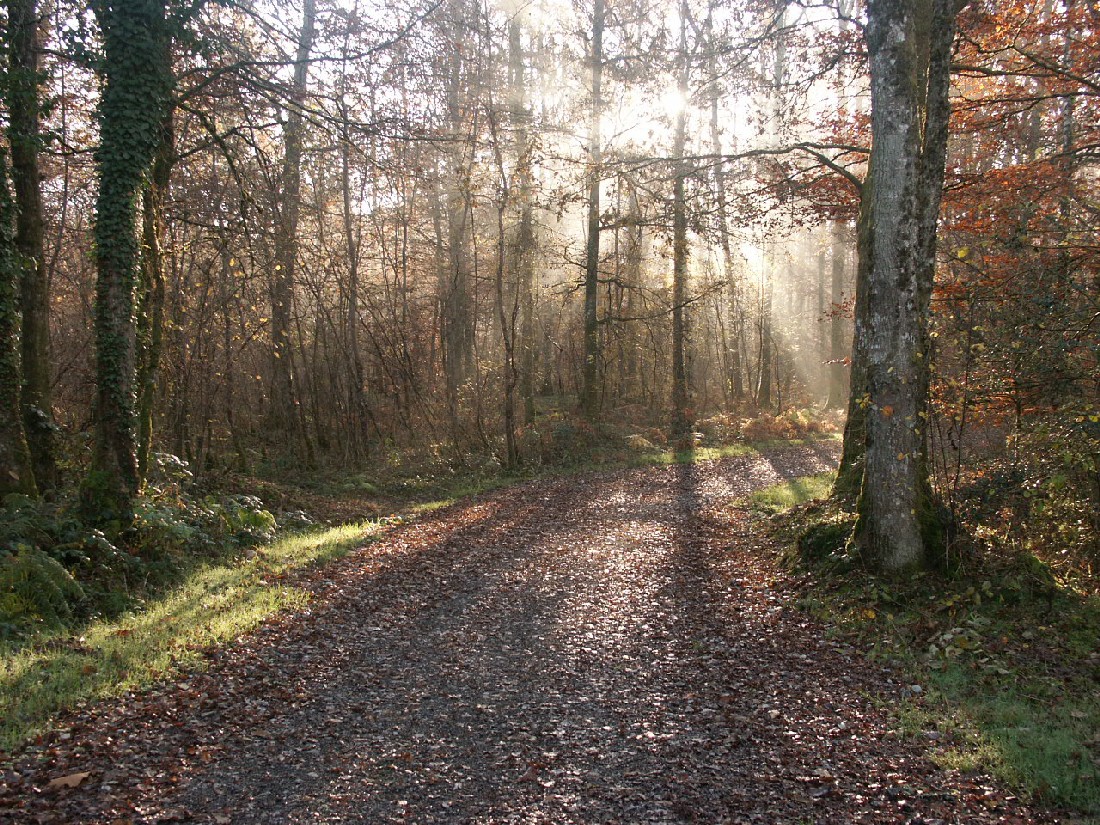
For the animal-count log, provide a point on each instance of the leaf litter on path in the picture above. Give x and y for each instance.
(610, 648)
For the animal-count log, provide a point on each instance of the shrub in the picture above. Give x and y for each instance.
(720, 429)
(789, 424)
(34, 590)
(55, 569)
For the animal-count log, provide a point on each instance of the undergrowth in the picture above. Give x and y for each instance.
(216, 604)
(1006, 655)
(58, 572)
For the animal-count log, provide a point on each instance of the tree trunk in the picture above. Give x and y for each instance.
(732, 339)
(457, 301)
(764, 367)
(357, 401)
(16, 471)
(135, 100)
(24, 113)
(525, 234)
(909, 47)
(150, 319)
(849, 477)
(836, 371)
(590, 391)
(681, 419)
(283, 411)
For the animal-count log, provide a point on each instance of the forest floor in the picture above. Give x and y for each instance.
(614, 647)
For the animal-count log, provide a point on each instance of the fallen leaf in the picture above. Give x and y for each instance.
(70, 781)
(530, 775)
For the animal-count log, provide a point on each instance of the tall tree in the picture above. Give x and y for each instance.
(836, 371)
(590, 396)
(732, 340)
(137, 85)
(150, 315)
(24, 99)
(681, 422)
(525, 233)
(457, 289)
(285, 412)
(16, 472)
(909, 47)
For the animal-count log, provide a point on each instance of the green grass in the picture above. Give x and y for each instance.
(216, 604)
(1036, 734)
(787, 494)
(1008, 659)
(1040, 745)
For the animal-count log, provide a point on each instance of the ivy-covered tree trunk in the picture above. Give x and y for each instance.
(909, 48)
(23, 97)
(16, 473)
(137, 85)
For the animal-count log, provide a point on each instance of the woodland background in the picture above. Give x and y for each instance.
(382, 246)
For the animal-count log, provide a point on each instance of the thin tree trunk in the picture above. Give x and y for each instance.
(764, 368)
(357, 401)
(734, 381)
(836, 319)
(525, 234)
(457, 302)
(681, 418)
(849, 477)
(590, 394)
(284, 402)
(150, 320)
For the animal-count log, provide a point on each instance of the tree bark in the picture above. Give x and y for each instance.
(836, 371)
(849, 477)
(150, 320)
(24, 80)
(909, 47)
(681, 418)
(16, 471)
(525, 233)
(457, 319)
(357, 401)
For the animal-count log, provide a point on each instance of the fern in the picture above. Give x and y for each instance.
(35, 588)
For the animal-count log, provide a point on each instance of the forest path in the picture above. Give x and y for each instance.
(608, 648)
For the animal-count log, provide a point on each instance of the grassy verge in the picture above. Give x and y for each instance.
(1006, 657)
(781, 497)
(215, 605)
